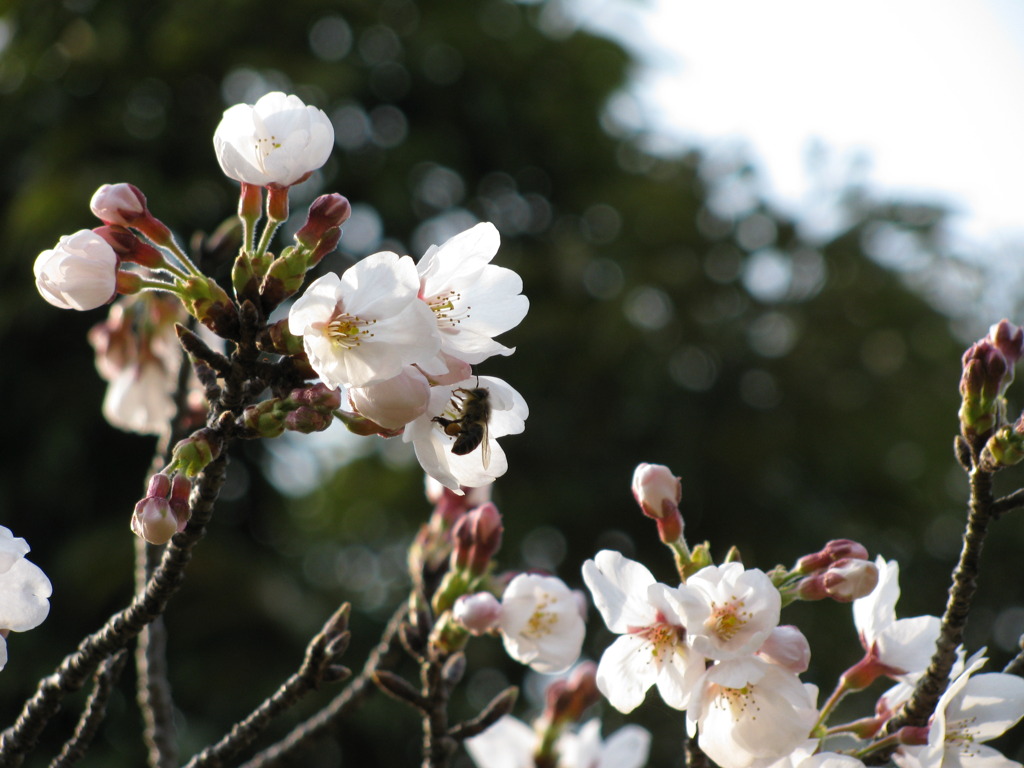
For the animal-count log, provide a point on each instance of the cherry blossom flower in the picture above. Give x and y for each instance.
(541, 624)
(652, 649)
(276, 141)
(480, 466)
(141, 398)
(472, 299)
(787, 646)
(749, 709)
(367, 325)
(24, 589)
(511, 743)
(730, 612)
(80, 272)
(972, 710)
(895, 647)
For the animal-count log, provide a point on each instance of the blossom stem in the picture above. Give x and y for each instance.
(833, 701)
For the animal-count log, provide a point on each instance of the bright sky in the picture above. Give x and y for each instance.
(930, 91)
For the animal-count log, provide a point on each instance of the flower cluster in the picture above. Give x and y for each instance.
(400, 337)
(24, 590)
(713, 646)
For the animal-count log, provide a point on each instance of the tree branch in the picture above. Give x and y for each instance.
(95, 709)
(120, 628)
(320, 665)
(354, 694)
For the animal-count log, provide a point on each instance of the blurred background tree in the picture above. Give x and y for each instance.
(800, 379)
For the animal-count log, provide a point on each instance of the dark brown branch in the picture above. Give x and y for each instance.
(120, 629)
(1008, 503)
(961, 593)
(92, 715)
(320, 665)
(354, 694)
(499, 706)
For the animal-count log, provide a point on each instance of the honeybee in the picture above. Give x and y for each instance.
(472, 409)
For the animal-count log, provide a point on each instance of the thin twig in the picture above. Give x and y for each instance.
(319, 665)
(355, 693)
(1016, 665)
(92, 714)
(120, 628)
(1008, 503)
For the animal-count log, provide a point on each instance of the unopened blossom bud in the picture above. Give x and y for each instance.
(154, 519)
(181, 489)
(843, 581)
(568, 698)
(1005, 448)
(196, 451)
(129, 247)
(210, 304)
(477, 538)
(658, 493)
(278, 339)
(479, 613)
(986, 375)
(307, 420)
(80, 272)
(787, 647)
(326, 214)
(837, 549)
(124, 205)
(1008, 339)
(394, 402)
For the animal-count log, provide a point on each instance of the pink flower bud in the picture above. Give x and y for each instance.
(837, 549)
(479, 613)
(80, 272)
(153, 518)
(326, 213)
(848, 579)
(1009, 340)
(477, 538)
(181, 489)
(118, 204)
(124, 205)
(395, 402)
(787, 647)
(567, 699)
(658, 492)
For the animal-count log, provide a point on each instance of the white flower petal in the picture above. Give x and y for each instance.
(619, 588)
(509, 743)
(625, 672)
(24, 590)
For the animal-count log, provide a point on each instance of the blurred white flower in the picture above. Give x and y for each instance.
(24, 589)
(541, 624)
(80, 272)
(276, 141)
(367, 325)
(511, 743)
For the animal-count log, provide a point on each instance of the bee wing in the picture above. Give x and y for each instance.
(485, 447)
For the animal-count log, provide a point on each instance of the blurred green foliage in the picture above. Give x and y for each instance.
(802, 391)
